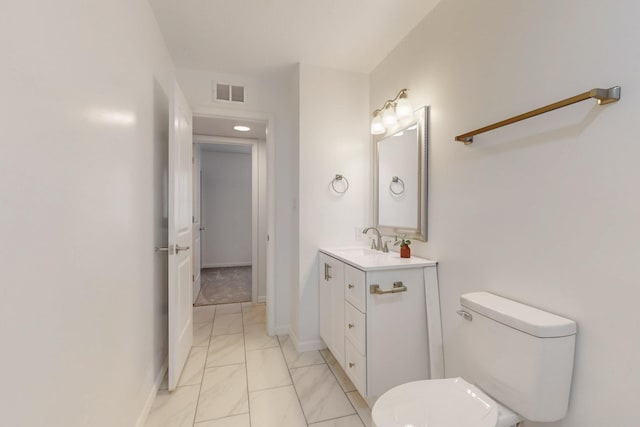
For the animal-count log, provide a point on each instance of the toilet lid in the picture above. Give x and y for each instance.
(450, 402)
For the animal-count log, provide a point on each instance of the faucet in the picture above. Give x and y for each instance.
(378, 243)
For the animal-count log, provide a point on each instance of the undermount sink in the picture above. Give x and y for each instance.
(358, 251)
(367, 259)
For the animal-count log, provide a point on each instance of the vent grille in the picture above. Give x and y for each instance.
(225, 92)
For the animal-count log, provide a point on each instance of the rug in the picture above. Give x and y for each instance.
(224, 285)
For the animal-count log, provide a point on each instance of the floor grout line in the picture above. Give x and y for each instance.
(204, 369)
(293, 384)
(246, 363)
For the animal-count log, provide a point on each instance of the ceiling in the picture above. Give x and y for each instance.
(214, 126)
(257, 36)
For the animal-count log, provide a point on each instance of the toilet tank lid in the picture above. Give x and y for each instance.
(527, 319)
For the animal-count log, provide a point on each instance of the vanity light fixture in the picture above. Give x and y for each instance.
(241, 128)
(394, 112)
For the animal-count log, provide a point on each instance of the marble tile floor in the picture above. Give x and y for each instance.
(238, 376)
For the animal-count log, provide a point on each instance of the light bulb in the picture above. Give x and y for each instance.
(404, 111)
(377, 128)
(389, 119)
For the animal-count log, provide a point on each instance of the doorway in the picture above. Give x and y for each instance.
(230, 211)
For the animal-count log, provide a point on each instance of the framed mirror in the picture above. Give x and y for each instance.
(400, 179)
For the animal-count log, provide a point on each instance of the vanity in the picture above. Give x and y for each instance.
(380, 313)
(380, 317)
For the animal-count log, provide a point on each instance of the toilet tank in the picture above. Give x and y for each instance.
(519, 355)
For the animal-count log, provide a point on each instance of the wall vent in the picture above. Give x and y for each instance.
(225, 92)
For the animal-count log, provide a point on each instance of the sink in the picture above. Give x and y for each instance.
(358, 252)
(369, 260)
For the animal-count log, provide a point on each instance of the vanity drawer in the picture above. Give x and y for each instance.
(356, 367)
(354, 291)
(355, 327)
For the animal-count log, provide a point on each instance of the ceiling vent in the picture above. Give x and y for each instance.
(228, 93)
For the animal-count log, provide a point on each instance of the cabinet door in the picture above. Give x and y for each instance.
(332, 305)
(397, 350)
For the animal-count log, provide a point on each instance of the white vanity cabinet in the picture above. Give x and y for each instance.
(385, 338)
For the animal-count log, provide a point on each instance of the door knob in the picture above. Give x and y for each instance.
(201, 228)
(162, 249)
(182, 248)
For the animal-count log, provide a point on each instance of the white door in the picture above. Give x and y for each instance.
(180, 207)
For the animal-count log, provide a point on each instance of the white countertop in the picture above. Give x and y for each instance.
(369, 260)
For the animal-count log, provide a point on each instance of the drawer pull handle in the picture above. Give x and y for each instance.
(351, 365)
(351, 325)
(397, 287)
(350, 286)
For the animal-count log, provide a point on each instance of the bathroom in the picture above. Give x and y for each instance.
(543, 211)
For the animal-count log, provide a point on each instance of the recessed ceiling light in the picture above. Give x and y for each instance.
(241, 128)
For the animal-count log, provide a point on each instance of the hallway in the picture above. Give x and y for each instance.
(237, 376)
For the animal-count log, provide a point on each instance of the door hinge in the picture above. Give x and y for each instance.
(193, 220)
(193, 278)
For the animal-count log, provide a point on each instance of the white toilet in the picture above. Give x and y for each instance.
(520, 362)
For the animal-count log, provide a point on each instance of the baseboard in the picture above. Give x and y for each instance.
(227, 264)
(309, 345)
(282, 330)
(144, 414)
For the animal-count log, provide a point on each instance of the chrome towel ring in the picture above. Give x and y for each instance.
(337, 179)
(396, 180)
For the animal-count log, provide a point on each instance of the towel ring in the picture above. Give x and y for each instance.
(396, 180)
(340, 178)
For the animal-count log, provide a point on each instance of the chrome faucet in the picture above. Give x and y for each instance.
(377, 244)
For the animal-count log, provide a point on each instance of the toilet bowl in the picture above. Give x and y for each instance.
(519, 355)
(451, 402)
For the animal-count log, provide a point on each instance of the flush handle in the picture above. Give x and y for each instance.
(465, 315)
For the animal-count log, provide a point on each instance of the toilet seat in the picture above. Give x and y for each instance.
(451, 402)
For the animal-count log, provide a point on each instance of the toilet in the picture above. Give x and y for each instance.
(519, 361)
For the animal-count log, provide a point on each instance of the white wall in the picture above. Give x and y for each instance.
(226, 203)
(544, 211)
(86, 88)
(274, 93)
(334, 140)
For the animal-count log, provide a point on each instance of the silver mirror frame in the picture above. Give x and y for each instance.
(420, 233)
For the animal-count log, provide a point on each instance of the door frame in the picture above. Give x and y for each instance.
(269, 120)
(255, 196)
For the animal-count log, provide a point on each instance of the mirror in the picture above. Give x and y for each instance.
(400, 179)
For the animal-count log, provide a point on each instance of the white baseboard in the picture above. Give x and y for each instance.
(227, 264)
(144, 414)
(309, 345)
(282, 330)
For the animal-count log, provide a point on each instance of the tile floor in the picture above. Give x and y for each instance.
(237, 376)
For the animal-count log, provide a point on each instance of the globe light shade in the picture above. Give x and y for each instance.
(389, 119)
(404, 111)
(377, 128)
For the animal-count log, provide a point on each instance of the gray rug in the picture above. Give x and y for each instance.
(224, 285)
